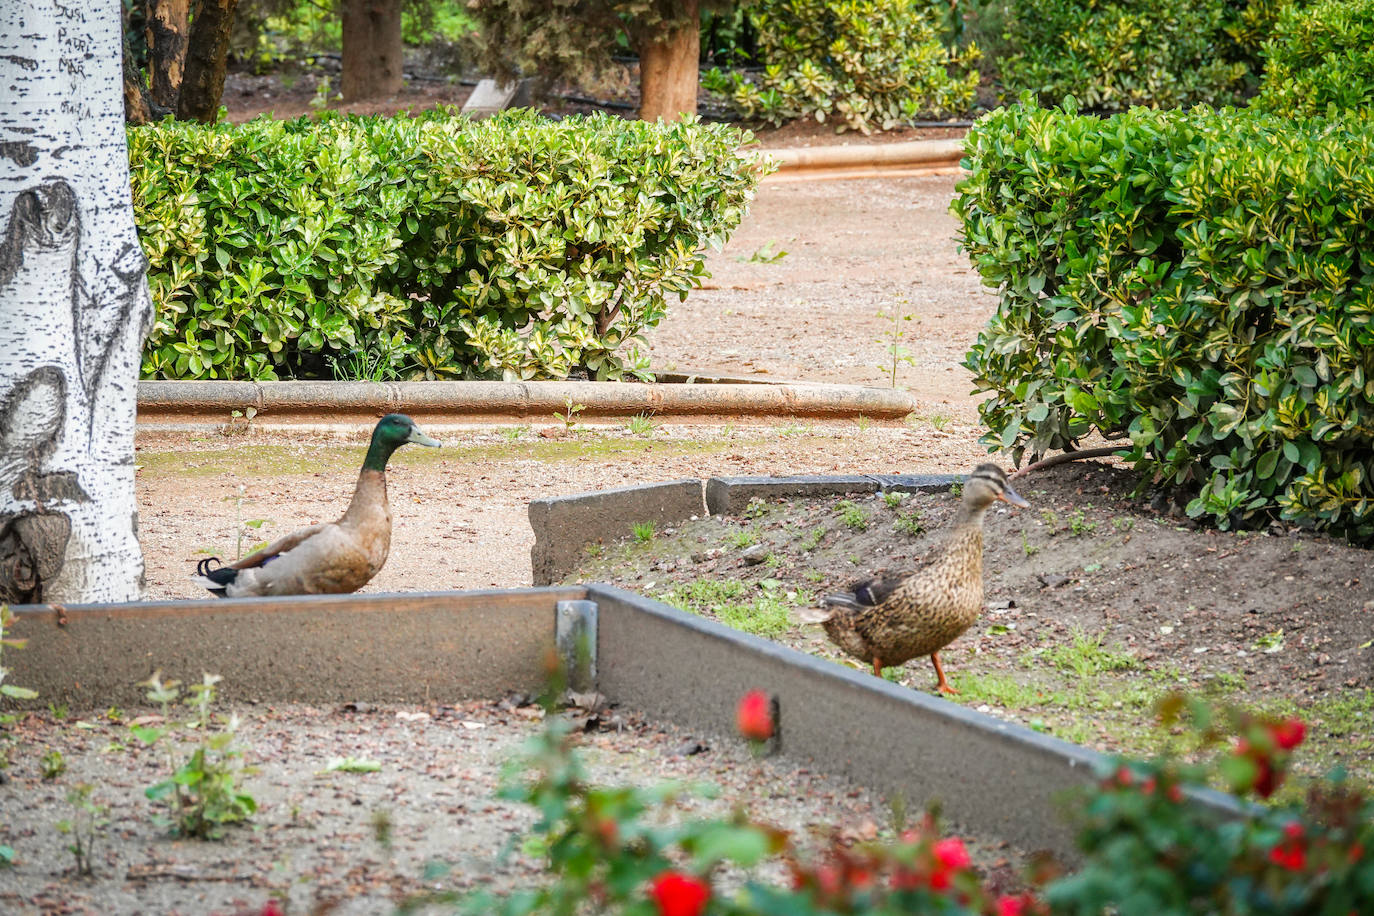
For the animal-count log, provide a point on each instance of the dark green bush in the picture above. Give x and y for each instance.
(865, 63)
(1321, 57)
(424, 248)
(1198, 282)
(1113, 54)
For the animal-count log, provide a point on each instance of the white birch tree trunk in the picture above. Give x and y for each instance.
(74, 308)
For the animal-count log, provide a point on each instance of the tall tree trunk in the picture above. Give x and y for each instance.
(74, 309)
(207, 50)
(668, 66)
(136, 108)
(167, 28)
(371, 49)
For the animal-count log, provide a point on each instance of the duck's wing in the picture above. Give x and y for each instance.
(327, 562)
(279, 546)
(865, 593)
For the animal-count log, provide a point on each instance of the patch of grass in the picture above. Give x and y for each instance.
(1030, 549)
(1079, 525)
(729, 601)
(1270, 642)
(909, 523)
(812, 539)
(1087, 656)
(997, 689)
(862, 423)
(813, 575)
(852, 515)
(794, 430)
(939, 421)
(1121, 523)
(512, 433)
(644, 532)
(742, 537)
(893, 499)
(641, 425)
(756, 508)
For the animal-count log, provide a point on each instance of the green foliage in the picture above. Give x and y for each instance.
(431, 247)
(1148, 850)
(1117, 53)
(866, 64)
(1321, 58)
(87, 823)
(558, 40)
(1199, 282)
(853, 515)
(203, 791)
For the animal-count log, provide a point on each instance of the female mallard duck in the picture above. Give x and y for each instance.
(890, 620)
(331, 557)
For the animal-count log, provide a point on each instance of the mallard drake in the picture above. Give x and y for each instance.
(331, 557)
(892, 619)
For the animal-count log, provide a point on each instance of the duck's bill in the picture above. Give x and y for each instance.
(420, 438)
(1011, 496)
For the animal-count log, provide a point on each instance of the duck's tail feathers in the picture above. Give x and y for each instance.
(214, 579)
(842, 600)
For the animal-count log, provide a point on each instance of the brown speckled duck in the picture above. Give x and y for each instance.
(890, 620)
(331, 557)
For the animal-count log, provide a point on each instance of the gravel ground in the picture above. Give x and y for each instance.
(315, 842)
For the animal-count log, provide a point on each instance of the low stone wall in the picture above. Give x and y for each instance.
(565, 525)
(445, 646)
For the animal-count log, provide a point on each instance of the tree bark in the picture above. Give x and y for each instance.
(207, 51)
(372, 49)
(136, 109)
(74, 309)
(668, 66)
(168, 21)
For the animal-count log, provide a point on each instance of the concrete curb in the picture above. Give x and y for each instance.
(990, 776)
(918, 157)
(565, 525)
(200, 405)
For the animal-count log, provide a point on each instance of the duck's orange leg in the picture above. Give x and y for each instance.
(877, 667)
(943, 686)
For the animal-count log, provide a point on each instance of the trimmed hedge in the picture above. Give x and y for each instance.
(865, 64)
(430, 247)
(1200, 282)
(1321, 59)
(1113, 54)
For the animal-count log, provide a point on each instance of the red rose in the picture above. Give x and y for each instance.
(1124, 776)
(754, 716)
(1013, 906)
(951, 854)
(1288, 855)
(677, 894)
(1289, 733)
(272, 908)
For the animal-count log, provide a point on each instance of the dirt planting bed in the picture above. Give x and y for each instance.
(326, 839)
(1097, 605)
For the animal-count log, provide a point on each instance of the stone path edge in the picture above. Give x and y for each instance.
(865, 160)
(565, 525)
(198, 405)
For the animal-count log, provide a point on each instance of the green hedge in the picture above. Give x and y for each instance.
(861, 64)
(1200, 282)
(1321, 58)
(429, 247)
(1112, 54)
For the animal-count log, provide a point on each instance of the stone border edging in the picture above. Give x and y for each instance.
(565, 525)
(210, 404)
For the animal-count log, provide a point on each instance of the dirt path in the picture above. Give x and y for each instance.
(855, 249)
